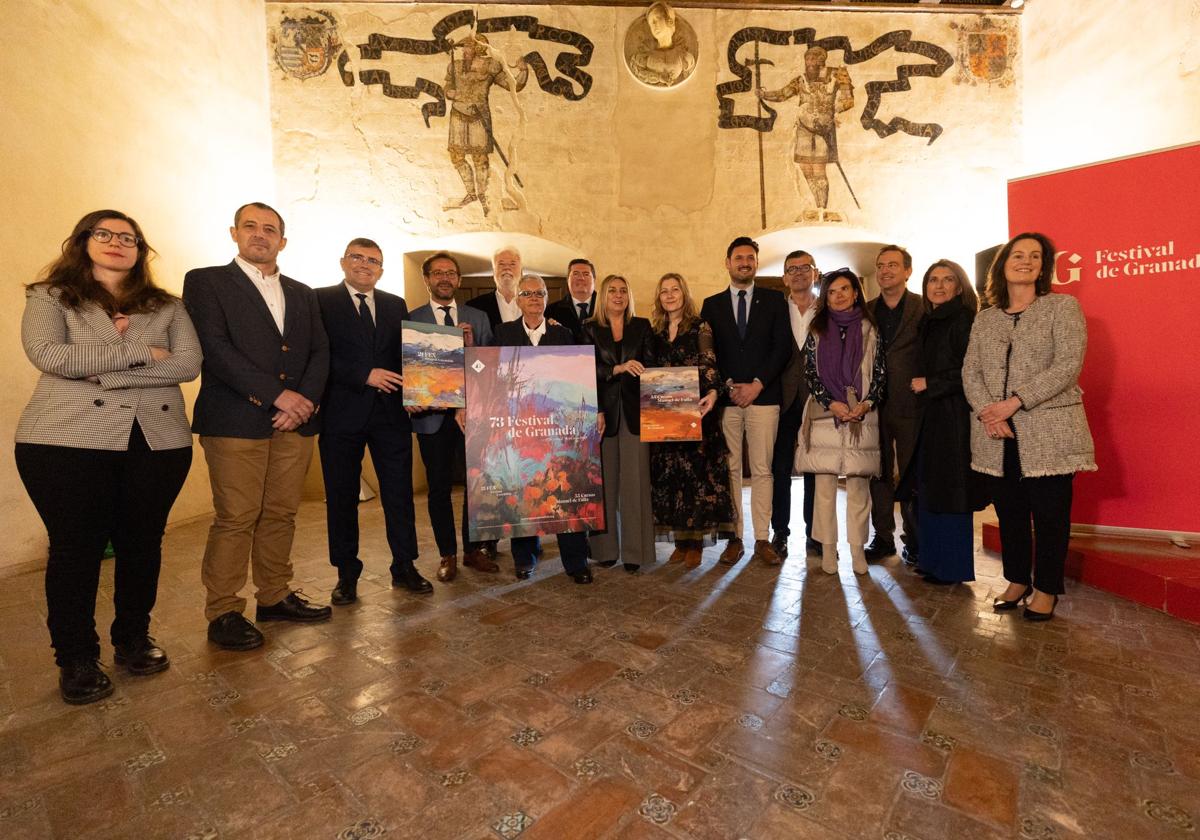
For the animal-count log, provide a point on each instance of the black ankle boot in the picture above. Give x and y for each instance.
(81, 681)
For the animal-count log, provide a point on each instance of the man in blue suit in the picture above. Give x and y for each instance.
(364, 408)
(440, 432)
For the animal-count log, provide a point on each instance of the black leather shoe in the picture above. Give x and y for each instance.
(911, 556)
(524, 572)
(779, 543)
(582, 577)
(608, 564)
(293, 608)
(879, 549)
(141, 657)
(346, 592)
(82, 682)
(812, 546)
(1000, 605)
(233, 632)
(632, 568)
(1031, 615)
(409, 578)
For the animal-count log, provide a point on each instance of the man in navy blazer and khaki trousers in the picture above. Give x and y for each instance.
(364, 407)
(752, 335)
(265, 364)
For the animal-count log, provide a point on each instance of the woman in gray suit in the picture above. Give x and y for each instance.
(104, 445)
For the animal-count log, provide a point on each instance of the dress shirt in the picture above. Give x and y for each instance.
(508, 311)
(268, 286)
(801, 320)
(587, 301)
(370, 299)
(889, 319)
(733, 297)
(440, 315)
(535, 335)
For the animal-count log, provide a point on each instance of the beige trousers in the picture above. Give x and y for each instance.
(759, 423)
(256, 488)
(858, 509)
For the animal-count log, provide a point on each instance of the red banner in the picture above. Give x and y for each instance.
(1128, 234)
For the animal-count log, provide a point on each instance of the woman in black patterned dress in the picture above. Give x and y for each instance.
(689, 481)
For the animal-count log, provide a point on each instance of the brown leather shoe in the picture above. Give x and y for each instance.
(764, 551)
(678, 554)
(448, 570)
(692, 558)
(734, 551)
(480, 560)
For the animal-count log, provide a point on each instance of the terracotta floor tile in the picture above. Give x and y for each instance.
(534, 784)
(866, 738)
(588, 813)
(903, 709)
(982, 786)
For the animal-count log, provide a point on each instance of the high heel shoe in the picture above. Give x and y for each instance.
(1033, 615)
(1000, 605)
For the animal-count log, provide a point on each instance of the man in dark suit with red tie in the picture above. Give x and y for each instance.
(364, 408)
(579, 304)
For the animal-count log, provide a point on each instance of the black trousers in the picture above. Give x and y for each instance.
(341, 466)
(437, 454)
(572, 549)
(897, 444)
(782, 462)
(1027, 507)
(87, 498)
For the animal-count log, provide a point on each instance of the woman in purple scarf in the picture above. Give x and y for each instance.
(840, 432)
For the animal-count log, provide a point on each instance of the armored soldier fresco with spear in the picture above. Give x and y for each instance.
(823, 92)
(469, 82)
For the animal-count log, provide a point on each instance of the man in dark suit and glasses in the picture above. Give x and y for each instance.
(364, 408)
(752, 336)
(898, 313)
(579, 304)
(533, 330)
(266, 359)
(440, 432)
(501, 305)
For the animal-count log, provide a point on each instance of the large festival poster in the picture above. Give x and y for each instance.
(1128, 239)
(432, 356)
(533, 445)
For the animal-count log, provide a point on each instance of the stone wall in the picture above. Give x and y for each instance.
(644, 179)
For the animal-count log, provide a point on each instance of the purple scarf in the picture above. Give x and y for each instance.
(839, 361)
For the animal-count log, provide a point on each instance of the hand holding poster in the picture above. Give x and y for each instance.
(670, 405)
(432, 355)
(533, 446)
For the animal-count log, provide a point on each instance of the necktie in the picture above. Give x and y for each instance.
(741, 313)
(582, 312)
(447, 318)
(364, 313)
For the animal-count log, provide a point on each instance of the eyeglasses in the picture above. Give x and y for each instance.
(443, 275)
(844, 271)
(128, 240)
(530, 293)
(360, 258)
(799, 269)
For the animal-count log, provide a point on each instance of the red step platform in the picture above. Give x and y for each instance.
(1151, 572)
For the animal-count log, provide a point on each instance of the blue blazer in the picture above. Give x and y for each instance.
(428, 422)
(352, 354)
(247, 361)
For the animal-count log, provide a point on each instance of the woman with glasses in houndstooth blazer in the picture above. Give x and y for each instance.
(104, 445)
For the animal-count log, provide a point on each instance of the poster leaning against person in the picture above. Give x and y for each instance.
(533, 445)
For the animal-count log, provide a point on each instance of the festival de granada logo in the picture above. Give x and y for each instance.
(1130, 261)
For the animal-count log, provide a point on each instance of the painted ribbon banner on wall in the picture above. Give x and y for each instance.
(574, 83)
(1128, 240)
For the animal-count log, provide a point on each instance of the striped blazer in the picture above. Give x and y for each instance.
(96, 382)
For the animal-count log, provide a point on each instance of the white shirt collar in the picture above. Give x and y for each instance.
(535, 336)
(354, 293)
(255, 273)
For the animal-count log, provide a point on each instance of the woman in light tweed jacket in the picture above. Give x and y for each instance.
(1021, 377)
(104, 445)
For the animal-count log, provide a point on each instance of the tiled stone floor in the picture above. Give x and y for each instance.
(715, 703)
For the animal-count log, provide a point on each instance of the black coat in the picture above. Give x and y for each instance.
(512, 334)
(765, 351)
(565, 313)
(944, 439)
(622, 392)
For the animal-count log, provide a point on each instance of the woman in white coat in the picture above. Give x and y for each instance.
(839, 435)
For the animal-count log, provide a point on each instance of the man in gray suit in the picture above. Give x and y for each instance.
(898, 313)
(266, 359)
(440, 433)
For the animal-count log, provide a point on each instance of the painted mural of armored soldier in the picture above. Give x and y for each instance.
(823, 93)
(469, 82)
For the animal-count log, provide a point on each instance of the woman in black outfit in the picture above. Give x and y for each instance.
(621, 342)
(104, 445)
